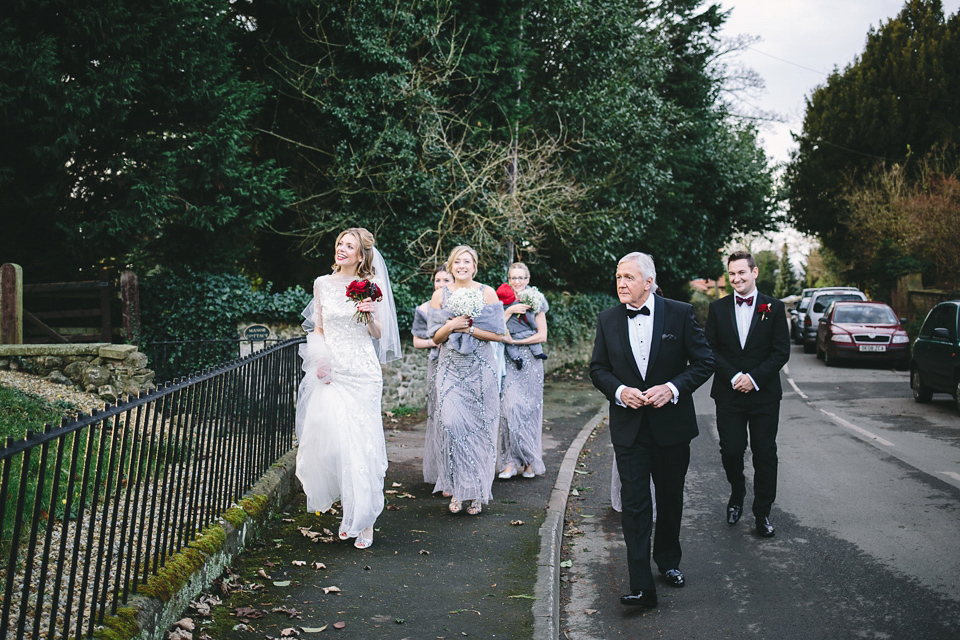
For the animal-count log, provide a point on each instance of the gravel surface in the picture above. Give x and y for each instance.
(85, 402)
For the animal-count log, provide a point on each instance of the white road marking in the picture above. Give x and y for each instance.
(955, 476)
(861, 431)
(797, 389)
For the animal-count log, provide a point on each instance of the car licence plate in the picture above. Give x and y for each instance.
(873, 347)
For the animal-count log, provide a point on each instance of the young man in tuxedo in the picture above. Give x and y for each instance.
(750, 339)
(649, 356)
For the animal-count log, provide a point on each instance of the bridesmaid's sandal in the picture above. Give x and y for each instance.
(447, 494)
(455, 506)
(474, 508)
(365, 539)
(344, 535)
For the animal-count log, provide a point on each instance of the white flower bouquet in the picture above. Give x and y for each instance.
(531, 296)
(466, 302)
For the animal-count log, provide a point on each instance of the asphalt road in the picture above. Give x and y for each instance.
(867, 517)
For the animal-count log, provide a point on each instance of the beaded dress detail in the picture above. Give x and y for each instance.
(467, 406)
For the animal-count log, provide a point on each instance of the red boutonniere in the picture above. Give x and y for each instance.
(764, 309)
(360, 290)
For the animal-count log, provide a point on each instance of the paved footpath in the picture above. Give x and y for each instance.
(429, 574)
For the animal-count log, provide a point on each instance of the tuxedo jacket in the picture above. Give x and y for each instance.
(679, 354)
(765, 352)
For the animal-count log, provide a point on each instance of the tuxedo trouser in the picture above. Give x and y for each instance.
(735, 420)
(668, 467)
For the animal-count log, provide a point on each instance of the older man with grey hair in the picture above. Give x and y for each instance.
(649, 356)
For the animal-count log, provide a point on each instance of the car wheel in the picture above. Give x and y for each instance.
(809, 347)
(830, 361)
(921, 393)
(956, 393)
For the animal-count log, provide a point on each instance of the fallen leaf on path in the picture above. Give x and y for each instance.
(396, 484)
(524, 595)
(263, 574)
(318, 565)
(339, 625)
(289, 632)
(288, 611)
(299, 563)
(185, 623)
(566, 563)
(282, 583)
(248, 612)
(314, 629)
(327, 590)
(180, 634)
(424, 552)
(517, 523)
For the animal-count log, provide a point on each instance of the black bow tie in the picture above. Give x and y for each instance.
(748, 301)
(632, 313)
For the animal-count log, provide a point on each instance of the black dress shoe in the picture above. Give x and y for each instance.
(674, 578)
(765, 527)
(646, 599)
(734, 511)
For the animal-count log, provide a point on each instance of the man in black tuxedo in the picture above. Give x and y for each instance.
(751, 342)
(648, 358)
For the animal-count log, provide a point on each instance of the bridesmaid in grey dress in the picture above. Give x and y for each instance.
(465, 318)
(521, 405)
(422, 340)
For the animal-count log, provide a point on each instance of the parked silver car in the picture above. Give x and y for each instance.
(797, 313)
(819, 302)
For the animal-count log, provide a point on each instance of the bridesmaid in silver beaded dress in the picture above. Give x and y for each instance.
(521, 404)
(465, 318)
(422, 340)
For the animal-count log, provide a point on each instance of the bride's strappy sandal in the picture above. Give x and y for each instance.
(364, 542)
(455, 506)
(474, 508)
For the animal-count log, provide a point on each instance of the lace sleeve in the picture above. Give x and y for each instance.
(317, 307)
(313, 312)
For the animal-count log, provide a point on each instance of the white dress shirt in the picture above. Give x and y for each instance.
(640, 328)
(744, 313)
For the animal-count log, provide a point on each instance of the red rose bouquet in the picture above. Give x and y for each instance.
(360, 290)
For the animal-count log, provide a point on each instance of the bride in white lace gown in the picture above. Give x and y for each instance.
(342, 454)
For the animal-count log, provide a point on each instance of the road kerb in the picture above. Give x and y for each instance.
(546, 607)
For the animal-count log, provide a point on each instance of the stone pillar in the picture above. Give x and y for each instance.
(11, 304)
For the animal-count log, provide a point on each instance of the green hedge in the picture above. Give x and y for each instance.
(198, 305)
(573, 316)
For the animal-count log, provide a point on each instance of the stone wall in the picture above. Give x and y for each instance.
(109, 370)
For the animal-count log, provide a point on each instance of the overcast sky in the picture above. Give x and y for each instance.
(802, 42)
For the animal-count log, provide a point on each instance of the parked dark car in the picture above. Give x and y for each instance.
(935, 362)
(796, 315)
(862, 330)
(819, 302)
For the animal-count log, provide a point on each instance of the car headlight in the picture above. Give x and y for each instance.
(841, 337)
(901, 339)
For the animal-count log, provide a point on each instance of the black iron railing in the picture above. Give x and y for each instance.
(170, 359)
(90, 510)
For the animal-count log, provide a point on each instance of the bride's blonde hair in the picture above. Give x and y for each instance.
(365, 269)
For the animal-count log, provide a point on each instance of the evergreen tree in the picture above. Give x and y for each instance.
(893, 104)
(124, 137)
(786, 284)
